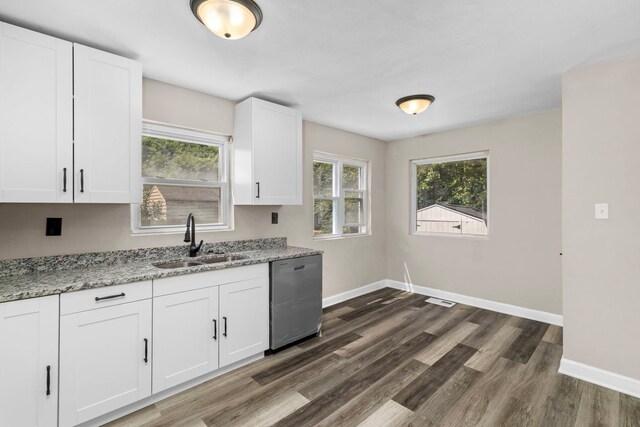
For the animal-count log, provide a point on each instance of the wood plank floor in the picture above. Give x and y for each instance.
(388, 358)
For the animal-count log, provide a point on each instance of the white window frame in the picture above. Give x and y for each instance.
(413, 223)
(183, 134)
(338, 196)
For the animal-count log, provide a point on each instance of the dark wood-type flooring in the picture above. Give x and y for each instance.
(388, 358)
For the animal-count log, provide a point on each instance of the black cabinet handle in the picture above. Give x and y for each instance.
(110, 297)
(146, 350)
(48, 380)
(300, 267)
(215, 329)
(82, 180)
(64, 180)
(258, 185)
(225, 326)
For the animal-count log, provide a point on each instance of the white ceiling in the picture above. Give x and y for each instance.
(343, 63)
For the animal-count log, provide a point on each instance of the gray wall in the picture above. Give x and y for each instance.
(519, 262)
(349, 263)
(601, 264)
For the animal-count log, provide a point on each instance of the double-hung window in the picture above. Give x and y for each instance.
(340, 196)
(183, 171)
(450, 195)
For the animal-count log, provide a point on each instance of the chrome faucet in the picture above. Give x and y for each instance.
(191, 225)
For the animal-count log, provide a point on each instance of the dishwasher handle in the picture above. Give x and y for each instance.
(300, 267)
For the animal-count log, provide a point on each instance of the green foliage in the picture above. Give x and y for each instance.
(179, 160)
(323, 209)
(458, 183)
(351, 177)
(322, 179)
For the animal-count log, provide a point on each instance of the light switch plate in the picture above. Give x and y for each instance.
(602, 210)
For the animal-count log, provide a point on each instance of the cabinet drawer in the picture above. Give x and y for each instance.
(107, 296)
(190, 282)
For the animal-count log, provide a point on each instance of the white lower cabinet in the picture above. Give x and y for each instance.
(185, 336)
(105, 360)
(185, 327)
(206, 321)
(244, 316)
(29, 362)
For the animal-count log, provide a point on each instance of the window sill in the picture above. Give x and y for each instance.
(342, 236)
(178, 230)
(452, 235)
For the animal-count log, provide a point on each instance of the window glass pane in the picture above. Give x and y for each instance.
(353, 229)
(166, 158)
(323, 179)
(351, 177)
(322, 216)
(353, 208)
(171, 204)
(451, 197)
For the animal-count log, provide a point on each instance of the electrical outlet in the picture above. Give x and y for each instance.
(602, 210)
(274, 217)
(54, 227)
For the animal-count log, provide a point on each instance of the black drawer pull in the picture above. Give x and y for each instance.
(258, 195)
(64, 180)
(146, 350)
(82, 180)
(48, 380)
(215, 329)
(110, 297)
(225, 326)
(300, 267)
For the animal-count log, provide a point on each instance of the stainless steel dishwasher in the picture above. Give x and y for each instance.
(296, 299)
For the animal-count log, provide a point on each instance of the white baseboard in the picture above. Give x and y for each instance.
(335, 299)
(513, 310)
(600, 377)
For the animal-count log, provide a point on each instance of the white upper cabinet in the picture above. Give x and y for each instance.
(267, 154)
(36, 117)
(107, 122)
(53, 92)
(29, 362)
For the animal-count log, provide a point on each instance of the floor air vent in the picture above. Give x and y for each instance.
(442, 302)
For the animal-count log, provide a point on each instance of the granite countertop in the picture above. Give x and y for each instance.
(43, 283)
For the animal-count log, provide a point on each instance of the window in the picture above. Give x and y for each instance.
(449, 195)
(340, 198)
(183, 171)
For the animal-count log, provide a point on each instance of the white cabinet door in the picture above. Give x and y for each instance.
(277, 152)
(105, 360)
(185, 336)
(267, 154)
(36, 122)
(108, 120)
(29, 362)
(244, 319)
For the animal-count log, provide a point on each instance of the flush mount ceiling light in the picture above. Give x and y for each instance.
(415, 104)
(229, 19)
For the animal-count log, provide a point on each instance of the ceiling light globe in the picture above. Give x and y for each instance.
(228, 19)
(415, 104)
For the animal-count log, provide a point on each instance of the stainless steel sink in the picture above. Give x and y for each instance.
(222, 258)
(177, 264)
